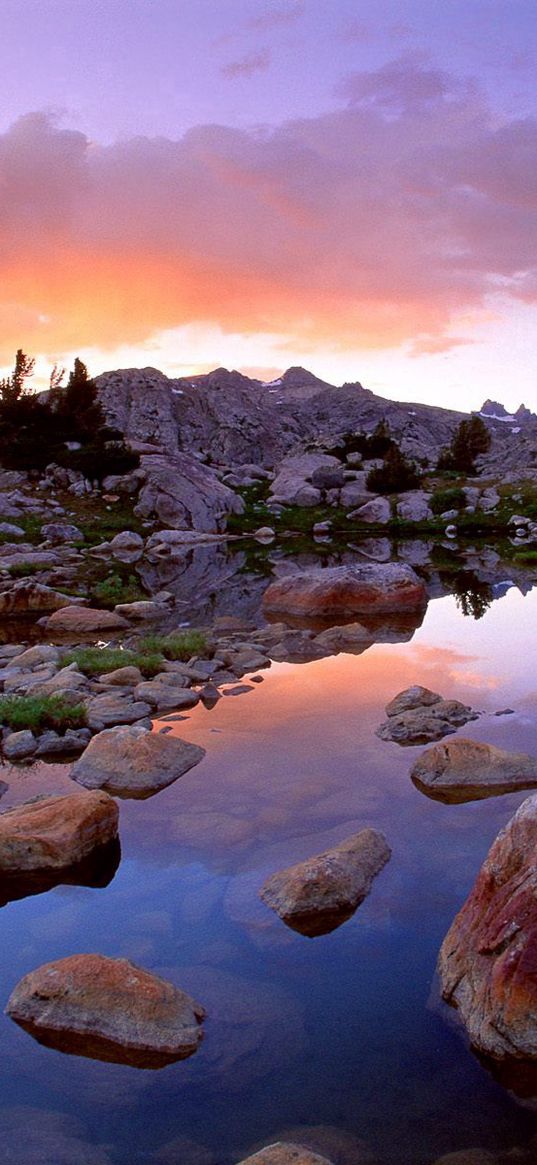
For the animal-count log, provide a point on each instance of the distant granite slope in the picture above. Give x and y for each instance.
(234, 420)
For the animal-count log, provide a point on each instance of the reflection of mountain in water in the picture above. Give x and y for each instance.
(229, 579)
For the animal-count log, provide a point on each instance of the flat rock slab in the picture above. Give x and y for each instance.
(84, 619)
(133, 762)
(54, 833)
(285, 1154)
(487, 962)
(468, 770)
(340, 591)
(107, 1009)
(317, 895)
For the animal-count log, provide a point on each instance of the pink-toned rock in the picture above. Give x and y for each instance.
(55, 832)
(285, 1154)
(316, 896)
(28, 595)
(132, 762)
(467, 770)
(488, 960)
(107, 1009)
(342, 591)
(84, 619)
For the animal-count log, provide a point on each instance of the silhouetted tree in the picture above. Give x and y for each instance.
(13, 387)
(396, 473)
(469, 440)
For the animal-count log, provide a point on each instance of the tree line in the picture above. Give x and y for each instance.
(65, 425)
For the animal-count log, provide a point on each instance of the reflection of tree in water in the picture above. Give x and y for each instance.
(473, 597)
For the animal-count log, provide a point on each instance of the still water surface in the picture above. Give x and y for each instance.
(344, 1030)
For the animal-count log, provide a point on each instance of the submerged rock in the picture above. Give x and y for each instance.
(487, 960)
(467, 770)
(132, 762)
(341, 591)
(107, 1009)
(317, 895)
(53, 833)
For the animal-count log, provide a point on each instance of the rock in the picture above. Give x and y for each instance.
(377, 511)
(489, 500)
(53, 833)
(85, 619)
(471, 1157)
(8, 530)
(355, 494)
(414, 697)
(29, 596)
(317, 895)
(421, 725)
(164, 696)
(122, 676)
(487, 960)
(329, 1141)
(285, 1154)
(19, 744)
(467, 770)
(293, 484)
(107, 1009)
(413, 506)
(328, 477)
(264, 534)
(35, 656)
(178, 491)
(108, 710)
(74, 740)
(59, 532)
(334, 592)
(132, 762)
(32, 1136)
(127, 540)
(351, 638)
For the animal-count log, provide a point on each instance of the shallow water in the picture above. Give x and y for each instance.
(344, 1030)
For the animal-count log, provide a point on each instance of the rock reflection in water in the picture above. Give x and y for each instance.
(95, 871)
(95, 1047)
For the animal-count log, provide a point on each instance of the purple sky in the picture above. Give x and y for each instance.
(356, 189)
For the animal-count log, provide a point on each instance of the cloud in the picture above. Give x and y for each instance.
(391, 220)
(274, 17)
(253, 62)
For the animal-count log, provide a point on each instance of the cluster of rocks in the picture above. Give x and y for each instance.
(418, 715)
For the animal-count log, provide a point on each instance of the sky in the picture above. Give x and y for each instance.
(348, 185)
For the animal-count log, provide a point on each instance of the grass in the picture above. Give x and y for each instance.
(115, 589)
(37, 712)
(24, 569)
(95, 661)
(529, 555)
(31, 525)
(179, 646)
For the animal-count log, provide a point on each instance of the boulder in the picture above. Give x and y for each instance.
(181, 492)
(59, 532)
(85, 619)
(27, 596)
(165, 696)
(429, 722)
(133, 762)
(410, 698)
(19, 744)
(294, 485)
(127, 540)
(107, 1009)
(377, 511)
(487, 960)
(283, 1153)
(317, 895)
(467, 770)
(413, 506)
(53, 833)
(107, 710)
(339, 591)
(8, 530)
(351, 638)
(35, 656)
(122, 676)
(142, 610)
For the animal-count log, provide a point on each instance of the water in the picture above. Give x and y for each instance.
(343, 1031)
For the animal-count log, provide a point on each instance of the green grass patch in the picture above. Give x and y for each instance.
(30, 525)
(24, 569)
(96, 661)
(117, 589)
(179, 646)
(37, 712)
(529, 555)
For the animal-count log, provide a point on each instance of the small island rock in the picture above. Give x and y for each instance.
(107, 1009)
(467, 770)
(53, 833)
(317, 895)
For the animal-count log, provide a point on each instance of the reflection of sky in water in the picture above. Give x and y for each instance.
(334, 1031)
